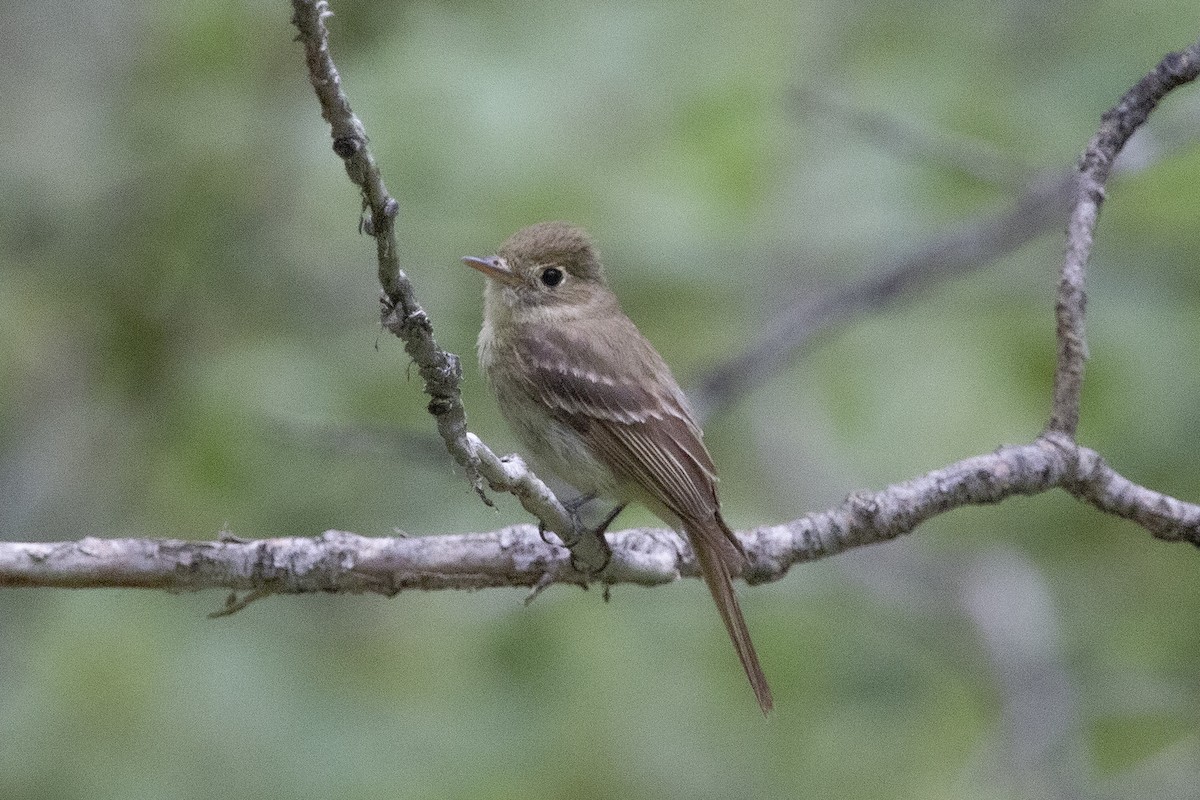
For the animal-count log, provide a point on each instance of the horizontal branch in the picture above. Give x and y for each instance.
(516, 556)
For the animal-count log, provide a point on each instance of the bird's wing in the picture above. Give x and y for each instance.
(627, 406)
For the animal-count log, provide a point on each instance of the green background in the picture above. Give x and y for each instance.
(189, 341)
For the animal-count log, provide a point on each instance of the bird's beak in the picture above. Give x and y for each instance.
(494, 267)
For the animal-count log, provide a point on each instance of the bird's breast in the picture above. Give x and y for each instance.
(555, 445)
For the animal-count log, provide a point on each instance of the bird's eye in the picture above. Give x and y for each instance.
(552, 276)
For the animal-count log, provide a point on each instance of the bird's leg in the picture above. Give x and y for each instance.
(572, 506)
(612, 515)
(575, 504)
(599, 533)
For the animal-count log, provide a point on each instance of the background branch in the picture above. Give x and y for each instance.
(917, 144)
(1041, 206)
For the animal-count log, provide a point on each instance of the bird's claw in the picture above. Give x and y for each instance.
(545, 533)
(572, 507)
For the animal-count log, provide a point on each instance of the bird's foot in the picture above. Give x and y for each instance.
(573, 507)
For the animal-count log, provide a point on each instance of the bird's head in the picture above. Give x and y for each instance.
(550, 266)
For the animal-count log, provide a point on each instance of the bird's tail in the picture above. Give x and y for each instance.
(714, 544)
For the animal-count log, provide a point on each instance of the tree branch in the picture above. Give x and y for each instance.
(517, 556)
(1116, 126)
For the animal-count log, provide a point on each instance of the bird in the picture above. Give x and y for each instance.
(593, 401)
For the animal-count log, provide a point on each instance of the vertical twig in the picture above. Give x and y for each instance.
(403, 316)
(1116, 126)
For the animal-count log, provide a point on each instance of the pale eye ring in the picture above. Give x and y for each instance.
(552, 276)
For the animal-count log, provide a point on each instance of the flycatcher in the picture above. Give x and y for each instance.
(596, 404)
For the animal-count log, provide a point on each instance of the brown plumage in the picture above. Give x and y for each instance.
(597, 405)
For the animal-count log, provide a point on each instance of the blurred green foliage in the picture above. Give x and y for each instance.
(189, 341)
